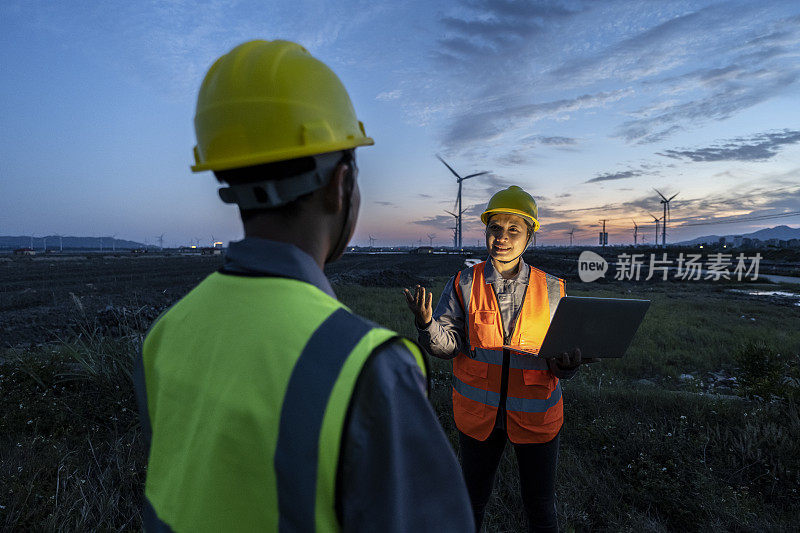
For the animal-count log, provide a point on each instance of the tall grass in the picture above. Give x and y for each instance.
(633, 457)
(71, 453)
(658, 458)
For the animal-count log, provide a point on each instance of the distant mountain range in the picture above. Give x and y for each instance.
(54, 242)
(778, 232)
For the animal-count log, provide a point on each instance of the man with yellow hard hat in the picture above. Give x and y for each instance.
(499, 394)
(266, 403)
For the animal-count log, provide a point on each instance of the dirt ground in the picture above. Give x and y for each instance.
(45, 299)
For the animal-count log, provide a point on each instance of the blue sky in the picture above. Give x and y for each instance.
(588, 105)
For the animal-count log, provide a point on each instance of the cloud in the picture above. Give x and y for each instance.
(655, 50)
(615, 176)
(385, 204)
(495, 29)
(475, 125)
(387, 96)
(760, 147)
(557, 141)
(730, 99)
(752, 65)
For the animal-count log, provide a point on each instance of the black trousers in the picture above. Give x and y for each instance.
(537, 476)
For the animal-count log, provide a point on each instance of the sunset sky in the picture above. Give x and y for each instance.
(588, 105)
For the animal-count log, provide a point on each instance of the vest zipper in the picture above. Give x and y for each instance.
(501, 409)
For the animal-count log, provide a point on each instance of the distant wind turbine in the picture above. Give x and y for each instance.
(458, 207)
(657, 221)
(666, 216)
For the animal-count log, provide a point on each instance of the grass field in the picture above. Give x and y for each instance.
(697, 428)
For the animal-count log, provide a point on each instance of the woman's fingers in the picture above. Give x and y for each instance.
(429, 303)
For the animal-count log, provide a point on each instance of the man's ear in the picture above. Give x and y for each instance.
(335, 192)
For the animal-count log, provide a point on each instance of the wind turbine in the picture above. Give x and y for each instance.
(371, 242)
(570, 235)
(458, 208)
(657, 221)
(635, 233)
(161, 241)
(114, 243)
(665, 202)
(431, 236)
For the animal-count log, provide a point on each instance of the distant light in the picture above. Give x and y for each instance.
(194, 246)
(701, 246)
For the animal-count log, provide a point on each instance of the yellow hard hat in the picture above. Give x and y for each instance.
(267, 101)
(514, 201)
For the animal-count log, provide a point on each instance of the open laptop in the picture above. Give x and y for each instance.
(600, 327)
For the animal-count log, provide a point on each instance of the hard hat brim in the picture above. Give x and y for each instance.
(279, 155)
(489, 212)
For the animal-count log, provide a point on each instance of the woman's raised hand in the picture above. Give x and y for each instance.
(420, 302)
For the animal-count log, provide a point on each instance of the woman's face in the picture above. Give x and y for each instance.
(506, 236)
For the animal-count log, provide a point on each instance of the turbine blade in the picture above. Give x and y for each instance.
(475, 175)
(659, 193)
(448, 166)
(673, 196)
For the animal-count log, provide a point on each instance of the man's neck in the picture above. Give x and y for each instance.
(310, 241)
(506, 270)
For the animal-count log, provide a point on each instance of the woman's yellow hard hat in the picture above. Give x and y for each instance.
(514, 201)
(267, 101)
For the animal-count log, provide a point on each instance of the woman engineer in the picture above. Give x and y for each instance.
(500, 394)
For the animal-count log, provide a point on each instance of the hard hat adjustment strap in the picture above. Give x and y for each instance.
(273, 193)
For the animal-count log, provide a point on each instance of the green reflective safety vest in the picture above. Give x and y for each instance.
(248, 382)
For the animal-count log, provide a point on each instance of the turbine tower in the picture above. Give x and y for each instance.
(455, 229)
(431, 236)
(665, 203)
(657, 221)
(635, 233)
(371, 242)
(458, 207)
(570, 236)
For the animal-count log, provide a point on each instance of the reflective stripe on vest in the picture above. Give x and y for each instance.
(533, 402)
(247, 383)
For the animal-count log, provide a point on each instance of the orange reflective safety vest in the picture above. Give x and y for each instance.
(489, 374)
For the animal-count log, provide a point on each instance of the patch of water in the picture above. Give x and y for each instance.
(778, 294)
(783, 294)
